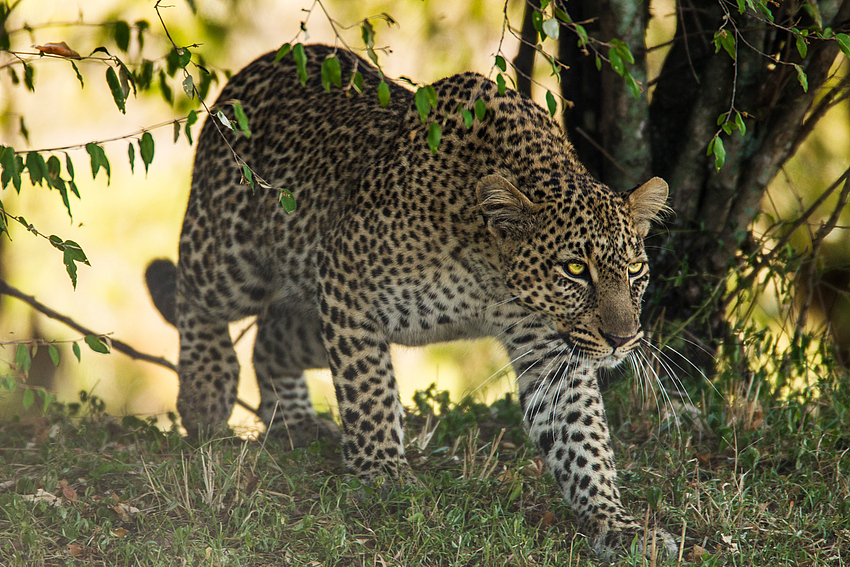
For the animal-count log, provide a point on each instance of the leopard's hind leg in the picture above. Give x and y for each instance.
(287, 344)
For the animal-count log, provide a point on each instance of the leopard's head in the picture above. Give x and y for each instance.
(575, 257)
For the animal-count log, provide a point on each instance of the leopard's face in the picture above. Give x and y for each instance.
(578, 263)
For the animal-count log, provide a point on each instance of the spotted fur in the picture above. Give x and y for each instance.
(502, 232)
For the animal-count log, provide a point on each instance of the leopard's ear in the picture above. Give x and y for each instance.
(507, 210)
(648, 203)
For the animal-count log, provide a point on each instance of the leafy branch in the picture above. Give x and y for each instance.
(98, 342)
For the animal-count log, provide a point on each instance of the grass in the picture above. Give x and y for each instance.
(95, 490)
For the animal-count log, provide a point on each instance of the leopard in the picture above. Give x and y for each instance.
(497, 230)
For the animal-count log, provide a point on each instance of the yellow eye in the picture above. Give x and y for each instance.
(576, 268)
(636, 267)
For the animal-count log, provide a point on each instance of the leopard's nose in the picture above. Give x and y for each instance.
(616, 341)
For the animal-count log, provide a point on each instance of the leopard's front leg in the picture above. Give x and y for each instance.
(566, 419)
(364, 382)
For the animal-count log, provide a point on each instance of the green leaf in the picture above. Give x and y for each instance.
(96, 344)
(115, 88)
(623, 51)
(54, 169)
(616, 61)
(726, 40)
(331, 73)
(843, 43)
(383, 93)
(480, 110)
(287, 201)
(561, 15)
(367, 33)
(739, 121)
(241, 119)
(248, 177)
(357, 81)
(79, 76)
(98, 160)
(121, 33)
(141, 27)
(72, 253)
(434, 135)
(802, 46)
(551, 103)
(23, 359)
(582, 35)
(716, 147)
(282, 52)
(762, 6)
(9, 168)
(801, 76)
(75, 347)
(420, 99)
(131, 156)
(632, 85)
(28, 398)
(176, 131)
(189, 85)
(300, 62)
(500, 83)
(191, 119)
(183, 56)
(29, 77)
(552, 28)
(69, 166)
(537, 22)
(431, 95)
(165, 88)
(54, 354)
(37, 169)
(467, 118)
(501, 64)
(146, 149)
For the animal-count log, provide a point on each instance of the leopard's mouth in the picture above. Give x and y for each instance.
(585, 344)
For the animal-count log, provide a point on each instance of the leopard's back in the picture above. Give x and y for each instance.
(238, 242)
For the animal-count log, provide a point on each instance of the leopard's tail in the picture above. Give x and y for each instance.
(161, 277)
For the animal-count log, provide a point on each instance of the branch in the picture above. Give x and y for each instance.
(747, 281)
(120, 346)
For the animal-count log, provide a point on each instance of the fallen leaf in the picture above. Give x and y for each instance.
(118, 532)
(76, 550)
(42, 495)
(68, 491)
(125, 511)
(547, 519)
(61, 49)
(697, 553)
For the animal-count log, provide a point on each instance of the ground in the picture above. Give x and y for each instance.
(95, 490)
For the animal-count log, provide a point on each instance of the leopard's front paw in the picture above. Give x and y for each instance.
(652, 542)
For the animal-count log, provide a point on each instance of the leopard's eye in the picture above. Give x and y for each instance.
(572, 270)
(636, 268)
(575, 268)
